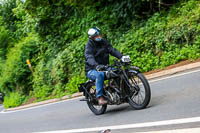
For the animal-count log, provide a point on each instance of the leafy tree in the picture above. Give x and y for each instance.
(7, 14)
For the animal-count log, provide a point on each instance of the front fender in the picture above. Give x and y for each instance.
(134, 71)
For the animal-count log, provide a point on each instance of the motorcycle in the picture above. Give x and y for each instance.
(123, 84)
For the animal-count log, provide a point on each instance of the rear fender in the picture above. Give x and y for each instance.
(82, 87)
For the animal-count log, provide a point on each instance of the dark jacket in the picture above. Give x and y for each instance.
(98, 53)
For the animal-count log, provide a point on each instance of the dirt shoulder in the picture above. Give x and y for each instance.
(181, 63)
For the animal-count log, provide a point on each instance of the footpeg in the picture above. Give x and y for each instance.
(84, 100)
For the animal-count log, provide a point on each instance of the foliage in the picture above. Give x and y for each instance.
(52, 74)
(4, 41)
(41, 79)
(72, 86)
(15, 73)
(15, 19)
(157, 43)
(4, 44)
(14, 99)
(25, 24)
(7, 14)
(52, 34)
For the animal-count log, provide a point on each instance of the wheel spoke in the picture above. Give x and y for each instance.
(141, 91)
(93, 105)
(139, 98)
(133, 81)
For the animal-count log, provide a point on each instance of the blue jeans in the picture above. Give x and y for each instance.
(98, 77)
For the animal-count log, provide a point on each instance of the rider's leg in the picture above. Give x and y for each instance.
(99, 81)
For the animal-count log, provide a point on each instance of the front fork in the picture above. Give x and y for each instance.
(131, 89)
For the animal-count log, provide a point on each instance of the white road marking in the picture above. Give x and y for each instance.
(176, 75)
(188, 130)
(173, 76)
(127, 126)
(4, 111)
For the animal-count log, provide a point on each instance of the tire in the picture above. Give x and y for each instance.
(142, 83)
(93, 104)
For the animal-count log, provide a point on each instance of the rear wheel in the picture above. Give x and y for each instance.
(140, 91)
(92, 102)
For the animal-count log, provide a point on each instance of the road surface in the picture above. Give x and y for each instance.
(174, 105)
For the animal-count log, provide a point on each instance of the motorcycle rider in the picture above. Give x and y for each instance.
(97, 52)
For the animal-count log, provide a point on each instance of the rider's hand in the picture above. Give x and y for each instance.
(100, 67)
(126, 59)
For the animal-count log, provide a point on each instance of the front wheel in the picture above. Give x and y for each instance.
(140, 91)
(92, 102)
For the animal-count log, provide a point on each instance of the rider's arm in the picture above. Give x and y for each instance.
(89, 56)
(113, 51)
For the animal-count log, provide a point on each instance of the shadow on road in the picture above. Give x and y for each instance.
(126, 108)
(118, 109)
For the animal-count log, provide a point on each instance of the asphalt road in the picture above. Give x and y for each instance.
(173, 98)
(1, 107)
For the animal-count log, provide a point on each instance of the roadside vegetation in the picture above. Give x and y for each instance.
(52, 35)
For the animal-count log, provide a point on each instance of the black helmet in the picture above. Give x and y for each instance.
(92, 32)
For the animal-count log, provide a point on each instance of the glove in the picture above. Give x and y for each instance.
(125, 59)
(100, 67)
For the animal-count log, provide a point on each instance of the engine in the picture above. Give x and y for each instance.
(113, 96)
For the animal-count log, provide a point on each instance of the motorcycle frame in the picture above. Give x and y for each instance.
(123, 78)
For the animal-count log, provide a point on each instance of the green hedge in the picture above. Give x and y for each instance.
(16, 75)
(165, 38)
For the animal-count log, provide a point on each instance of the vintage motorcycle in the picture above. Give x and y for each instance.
(123, 84)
